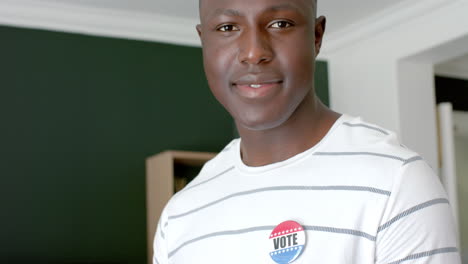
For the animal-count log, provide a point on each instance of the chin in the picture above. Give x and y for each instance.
(259, 122)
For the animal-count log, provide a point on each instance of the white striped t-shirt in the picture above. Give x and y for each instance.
(360, 196)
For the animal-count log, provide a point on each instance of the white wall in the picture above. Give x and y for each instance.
(386, 75)
(417, 108)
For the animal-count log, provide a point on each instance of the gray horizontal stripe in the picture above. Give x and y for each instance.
(416, 158)
(366, 126)
(340, 231)
(286, 188)
(426, 254)
(360, 154)
(210, 179)
(412, 210)
(270, 228)
(222, 233)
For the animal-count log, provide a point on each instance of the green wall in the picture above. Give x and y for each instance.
(79, 115)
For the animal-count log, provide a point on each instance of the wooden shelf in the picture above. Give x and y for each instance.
(162, 182)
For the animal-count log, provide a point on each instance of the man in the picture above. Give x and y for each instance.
(303, 184)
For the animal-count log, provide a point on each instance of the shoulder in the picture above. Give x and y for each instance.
(381, 148)
(416, 216)
(368, 143)
(366, 153)
(222, 162)
(218, 166)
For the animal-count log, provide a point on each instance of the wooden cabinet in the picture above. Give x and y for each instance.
(167, 173)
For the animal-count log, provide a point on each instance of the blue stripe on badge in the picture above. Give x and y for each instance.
(287, 255)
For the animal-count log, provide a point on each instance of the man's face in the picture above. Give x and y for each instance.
(259, 57)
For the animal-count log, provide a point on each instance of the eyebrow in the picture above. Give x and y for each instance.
(236, 13)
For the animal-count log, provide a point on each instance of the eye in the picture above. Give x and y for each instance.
(281, 24)
(227, 28)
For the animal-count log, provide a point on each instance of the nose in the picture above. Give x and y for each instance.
(255, 48)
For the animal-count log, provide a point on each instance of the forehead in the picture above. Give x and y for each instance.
(210, 8)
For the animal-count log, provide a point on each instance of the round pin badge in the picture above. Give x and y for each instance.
(287, 240)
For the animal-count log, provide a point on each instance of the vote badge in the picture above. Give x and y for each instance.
(287, 241)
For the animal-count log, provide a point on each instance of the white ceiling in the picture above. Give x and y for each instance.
(340, 13)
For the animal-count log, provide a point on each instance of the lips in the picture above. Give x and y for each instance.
(257, 86)
(257, 79)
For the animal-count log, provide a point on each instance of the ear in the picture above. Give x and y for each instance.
(320, 24)
(198, 27)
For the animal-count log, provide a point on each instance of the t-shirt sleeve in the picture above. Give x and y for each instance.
(160, 253)
(417, 225)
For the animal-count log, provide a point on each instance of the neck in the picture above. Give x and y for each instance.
(304, 129)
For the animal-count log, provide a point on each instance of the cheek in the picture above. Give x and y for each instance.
(298, 57)
(300, 68)
(217, 61)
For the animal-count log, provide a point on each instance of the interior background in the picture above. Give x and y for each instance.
(79, 115)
